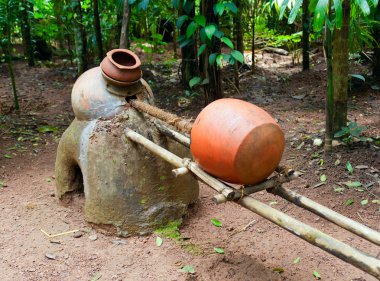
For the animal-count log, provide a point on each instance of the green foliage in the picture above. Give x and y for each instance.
(350, 133)
(171, 230)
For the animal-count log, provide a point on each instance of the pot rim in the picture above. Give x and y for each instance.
(120, 66)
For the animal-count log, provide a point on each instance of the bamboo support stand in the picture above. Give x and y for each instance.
(229, 192)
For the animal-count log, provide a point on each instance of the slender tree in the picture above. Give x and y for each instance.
(254, 11)
(98, 32)
(124, 36)
(8, 15)
(26, 31)
(80, 37)
(305, 36)
(213, 89)
(189, 57)
(376, 55)
(340, 70)
(238, 28)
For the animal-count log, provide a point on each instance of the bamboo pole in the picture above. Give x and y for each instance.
(273, 182)
(330, 215)
(315, 237)
(179, 162)
(185, 141)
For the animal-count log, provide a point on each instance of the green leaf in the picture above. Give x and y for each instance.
(219, 9)
(219, 250)
(219, 59)
(357, 76)
(283, 8)
(339, 189)
(210, 30)
(201, 20)
(227, 41)
(2, 184)
(364, 202)
(159, 241)
(216, 222)
(297, 260)
(201, 49)
(232, 7)
(205, 81)
(8, 156)
(294, 12)
(278, 269)
(191, 29)
(96, 276)
(320, 14)
(237, 56)
(316, 275)
(353, 184)
(195, 81)
(323, 178)
(349, 167)
(181, 20)
(376, 201)
(363, 4)
(185, 42)
(211, 58)
(188, 269)
(48, 129)
(349, 202)
(219, 34)
(338, 13)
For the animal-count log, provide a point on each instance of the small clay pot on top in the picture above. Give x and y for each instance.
(122, 65)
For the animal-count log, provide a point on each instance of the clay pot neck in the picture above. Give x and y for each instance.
(123, 59)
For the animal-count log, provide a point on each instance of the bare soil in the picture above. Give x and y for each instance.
(255, 249)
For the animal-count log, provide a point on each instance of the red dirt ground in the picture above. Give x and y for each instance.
(254, 248)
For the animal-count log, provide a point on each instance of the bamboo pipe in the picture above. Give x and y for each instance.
(315, 237)
(178, 162)
(330, 215)
(171, 119)
(185, 141)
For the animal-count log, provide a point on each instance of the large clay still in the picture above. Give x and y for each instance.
(124, 185)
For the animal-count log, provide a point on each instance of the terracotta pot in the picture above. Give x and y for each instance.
(122, 65)
(237, 141)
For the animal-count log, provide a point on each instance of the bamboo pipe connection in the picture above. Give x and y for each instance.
(171, 119)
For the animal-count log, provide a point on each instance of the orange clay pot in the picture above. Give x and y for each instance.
(121, 65)
(237, 141)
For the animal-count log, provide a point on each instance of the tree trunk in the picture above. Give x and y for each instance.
(305, 36)
(98, 32)
(175, 55)
(329, 134)
(124, 36)
(7, 50)
(26, 32)
(189, 57)
(80, 37)
(213, 90)
(376, 55)
(58, 11)
(238, 29)
(253, 35)
(340, 70)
